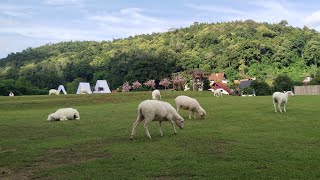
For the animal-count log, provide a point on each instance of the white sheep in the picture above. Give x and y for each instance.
(191, 104)
(53, 92)
(186, 87)
(11, 94)
(217, 92)
(64, 114)
(154, 110)
(156, 95)
(281, 98)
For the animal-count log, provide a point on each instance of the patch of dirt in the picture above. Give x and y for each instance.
(262, 168)
(4, 149)
(57, 157)
(220, 149)
(164, 177)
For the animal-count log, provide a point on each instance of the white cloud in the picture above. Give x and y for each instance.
(129, 11)
(15, 11)
(64, 2)
(106, 18)
(215, 8)
(313, 19)
(125, 17)
(53, 33)
(6, 22)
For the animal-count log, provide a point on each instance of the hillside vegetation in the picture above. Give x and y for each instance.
(240, 49)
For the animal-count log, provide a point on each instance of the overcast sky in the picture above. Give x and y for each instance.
(32, 23)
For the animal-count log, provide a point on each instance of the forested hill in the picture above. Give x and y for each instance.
(239, 49)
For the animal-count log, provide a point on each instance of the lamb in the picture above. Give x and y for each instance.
(156, 95)
(11, 94)
(53, 92)
(154, 110)
(281, 98)
(64, 114)
(188, 103)
(217, 92)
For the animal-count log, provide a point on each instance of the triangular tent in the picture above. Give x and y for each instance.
(101, 87)
(61, 88)
(84, 88)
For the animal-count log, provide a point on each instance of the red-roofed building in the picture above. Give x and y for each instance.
(218, 77)
(217, 85)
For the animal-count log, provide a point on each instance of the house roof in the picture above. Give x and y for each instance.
(217, 85)
(198, 73)
(217, 77)
(245, 83)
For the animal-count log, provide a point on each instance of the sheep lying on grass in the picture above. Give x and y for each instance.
(154, 110)
(64, 114)
(188, 103)
(281, 98)
(156, 95)
(53, 92)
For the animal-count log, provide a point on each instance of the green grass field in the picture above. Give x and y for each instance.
(240, 138)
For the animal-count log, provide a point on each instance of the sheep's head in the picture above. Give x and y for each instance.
(289, 93)
(180, 122)
(53, 117)
(50, 117)
(202, 113)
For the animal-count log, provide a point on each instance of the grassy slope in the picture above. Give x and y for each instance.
(241, 137)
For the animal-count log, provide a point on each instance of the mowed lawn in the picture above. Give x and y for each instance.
(240, 138)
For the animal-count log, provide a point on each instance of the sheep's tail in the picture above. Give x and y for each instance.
(140, 114)
(274, 100)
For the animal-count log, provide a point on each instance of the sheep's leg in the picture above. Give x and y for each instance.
(63, 118)
(178, 108)
(160, 124)
(190, 114)
(284, 107)
(146, 128)
(174, 128)
(275, 107)
(135, 124)
(194, 116)
(279, 105)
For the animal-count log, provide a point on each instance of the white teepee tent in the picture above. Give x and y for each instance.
(101, 87)
(61, 88)
(84, 87)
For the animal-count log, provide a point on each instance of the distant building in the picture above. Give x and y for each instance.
(218, 77)
(220, 85)
(246, 83)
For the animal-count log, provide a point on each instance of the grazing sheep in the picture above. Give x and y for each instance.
(217, 93)
(281, 98)
(53, 92)
(188, 103)
(154, 110)
(156, 95)
(64, 114)
(11, 94)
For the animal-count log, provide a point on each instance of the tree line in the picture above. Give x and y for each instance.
(240, 49)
